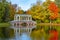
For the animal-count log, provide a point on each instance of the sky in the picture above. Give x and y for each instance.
(24, 4)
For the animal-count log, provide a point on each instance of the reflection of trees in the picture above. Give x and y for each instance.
(44, 32)
(6, 33)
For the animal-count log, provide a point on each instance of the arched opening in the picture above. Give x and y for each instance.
(14, 24)
(29, 18)
(17, 24)
(18, 18)
(24, 24)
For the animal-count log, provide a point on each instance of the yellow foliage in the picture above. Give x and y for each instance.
(20, 12)
(12, 11)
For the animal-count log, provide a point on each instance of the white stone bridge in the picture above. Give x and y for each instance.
(24, 22)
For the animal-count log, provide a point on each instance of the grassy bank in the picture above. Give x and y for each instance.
(4, 24)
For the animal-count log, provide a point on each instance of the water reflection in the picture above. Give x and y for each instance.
(25, 36)
(36, 34)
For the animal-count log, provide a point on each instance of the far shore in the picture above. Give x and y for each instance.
(47, 24)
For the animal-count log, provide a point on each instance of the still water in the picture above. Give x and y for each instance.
(23, 36)
(37, 34)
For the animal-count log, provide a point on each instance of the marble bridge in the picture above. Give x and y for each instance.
(22, 22)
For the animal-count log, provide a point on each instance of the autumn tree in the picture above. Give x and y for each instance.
(53, 9)
(20, 11)
(12, 10)
(37, 12)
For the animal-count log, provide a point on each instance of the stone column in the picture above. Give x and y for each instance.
(24, 18)
(16, 18)
(19, 18)
(12, 24)
(28, 18)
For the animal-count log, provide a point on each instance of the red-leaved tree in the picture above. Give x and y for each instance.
(53, 7)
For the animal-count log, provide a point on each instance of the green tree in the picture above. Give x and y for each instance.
(1, 11)
(4, 11)
(7, 11)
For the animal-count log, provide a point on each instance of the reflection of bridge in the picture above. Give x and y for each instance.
(22, 21)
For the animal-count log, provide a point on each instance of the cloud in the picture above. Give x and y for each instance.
(24, 4)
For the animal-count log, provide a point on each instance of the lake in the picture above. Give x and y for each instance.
(39, 33)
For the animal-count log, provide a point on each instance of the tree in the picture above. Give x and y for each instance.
(58, 3)
(20, 11)
(4, 11)
(53, 9)
(12, 11)
(1, 11)
(35, 11)
(40, 12)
